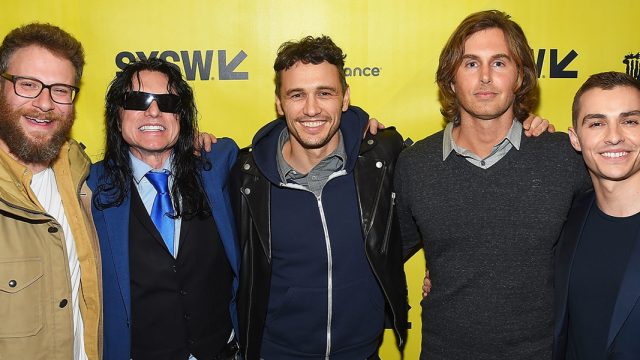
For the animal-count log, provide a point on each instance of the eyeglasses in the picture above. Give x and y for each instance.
(139, 100)
(31, 88)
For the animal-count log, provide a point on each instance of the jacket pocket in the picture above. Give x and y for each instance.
(298, 320)
(20, 297)
(358, 314)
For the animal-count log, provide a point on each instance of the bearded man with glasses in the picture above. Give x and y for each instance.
(49, 259)
(169, 249)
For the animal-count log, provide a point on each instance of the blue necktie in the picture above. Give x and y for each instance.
(162, 209)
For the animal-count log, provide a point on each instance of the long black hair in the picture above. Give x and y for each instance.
(185, 165)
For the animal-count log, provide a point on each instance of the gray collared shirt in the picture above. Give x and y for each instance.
(511, 140)
(315, 180)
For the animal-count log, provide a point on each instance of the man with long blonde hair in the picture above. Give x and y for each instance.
(486, 203)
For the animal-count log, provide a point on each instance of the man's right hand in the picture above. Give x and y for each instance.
(426, 286)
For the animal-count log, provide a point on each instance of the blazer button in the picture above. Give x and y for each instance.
(52, 229)
(246, 166)
(379, 165)
(247, 191)
(13, 283)
(63, 303)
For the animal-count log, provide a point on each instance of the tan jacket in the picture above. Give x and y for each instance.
(36, 319)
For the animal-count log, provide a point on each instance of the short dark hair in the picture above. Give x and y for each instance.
(47, 36)
(605, 81)
(451, 58)
(187, 184)
(309, 50)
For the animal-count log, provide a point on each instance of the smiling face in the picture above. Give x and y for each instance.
(312, 100)
(607, 133)
(151, 133)
(486, 80)
(33, 130)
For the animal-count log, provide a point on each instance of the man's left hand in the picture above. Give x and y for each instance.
(373, 127)
(204, 141)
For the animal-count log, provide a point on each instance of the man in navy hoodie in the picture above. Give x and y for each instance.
(321, 256)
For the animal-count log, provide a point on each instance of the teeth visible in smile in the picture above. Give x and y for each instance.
(151, 128)
(312, 123)
(39, 121)
(614, 154)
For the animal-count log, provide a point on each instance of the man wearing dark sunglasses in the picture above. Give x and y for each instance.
(140, 100)
(169, 252)
(49, 257)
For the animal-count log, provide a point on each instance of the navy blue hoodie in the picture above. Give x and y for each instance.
(324, 299)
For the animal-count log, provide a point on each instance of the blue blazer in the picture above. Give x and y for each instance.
(623, 341)
(112, 225)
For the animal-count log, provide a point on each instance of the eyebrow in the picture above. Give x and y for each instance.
(630, 113)
(602, 116)
(493, 57)
(322, 87)
(592, 116)
(330, 88)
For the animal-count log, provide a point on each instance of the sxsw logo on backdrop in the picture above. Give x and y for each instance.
(197, 64)
(559, 65)
(633, 65)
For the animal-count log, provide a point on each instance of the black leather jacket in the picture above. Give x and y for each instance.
(251, 202)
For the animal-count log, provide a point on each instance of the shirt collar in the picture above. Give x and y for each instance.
(514, 136)
(139, 168)
(286, 171)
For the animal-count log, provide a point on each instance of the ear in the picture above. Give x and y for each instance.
(279, 106)
(575, 140)
(346, 99)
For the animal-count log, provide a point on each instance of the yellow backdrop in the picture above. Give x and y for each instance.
(228, 48)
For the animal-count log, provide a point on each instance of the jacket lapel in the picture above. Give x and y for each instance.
(140, 212)
(627, 295)
(368, 185)
(564, 256)
(225, 225)
(185, 229)
(254, 190)
(212, 182)
(117, 226)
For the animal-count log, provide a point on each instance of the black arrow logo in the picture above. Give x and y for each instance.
(226, 71)
(557, 69)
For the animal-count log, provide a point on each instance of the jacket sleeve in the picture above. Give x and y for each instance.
(230, 151)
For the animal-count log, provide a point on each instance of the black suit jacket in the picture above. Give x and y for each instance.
(623, 341)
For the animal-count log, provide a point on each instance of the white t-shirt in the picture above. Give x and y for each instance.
(45, 188)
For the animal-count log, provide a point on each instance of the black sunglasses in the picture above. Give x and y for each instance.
(139, 100)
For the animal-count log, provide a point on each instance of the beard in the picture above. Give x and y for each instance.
(33, 149)
(309, 142)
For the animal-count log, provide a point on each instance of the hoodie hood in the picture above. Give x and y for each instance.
(265, 143)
